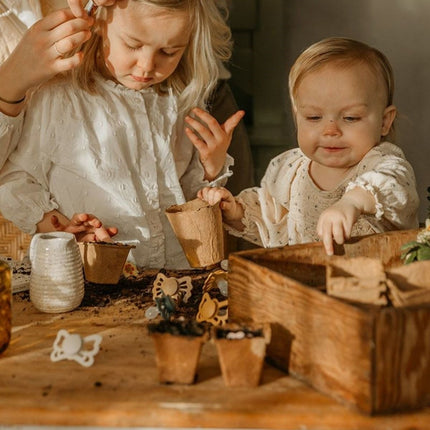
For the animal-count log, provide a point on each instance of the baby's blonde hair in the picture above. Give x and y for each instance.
(197, 73)
(343, 52)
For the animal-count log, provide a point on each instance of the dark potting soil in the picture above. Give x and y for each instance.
(178, 328)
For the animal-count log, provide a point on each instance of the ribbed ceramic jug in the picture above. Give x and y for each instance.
(56, 280)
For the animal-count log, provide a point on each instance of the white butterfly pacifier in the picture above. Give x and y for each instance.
(73, 347)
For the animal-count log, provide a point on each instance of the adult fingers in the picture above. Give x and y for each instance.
(77, 7)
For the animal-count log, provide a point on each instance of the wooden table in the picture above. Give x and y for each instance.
(121, 388)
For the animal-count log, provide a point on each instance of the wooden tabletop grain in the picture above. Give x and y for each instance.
(121, 388)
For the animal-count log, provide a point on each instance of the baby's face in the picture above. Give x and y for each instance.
(143, 44)
(341, 114)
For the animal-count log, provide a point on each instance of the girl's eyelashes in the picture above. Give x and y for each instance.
(169, 53)
(133, 47)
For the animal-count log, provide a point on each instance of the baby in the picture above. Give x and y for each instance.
(346, 178)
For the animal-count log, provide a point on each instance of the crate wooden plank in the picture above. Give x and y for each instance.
(356, 353)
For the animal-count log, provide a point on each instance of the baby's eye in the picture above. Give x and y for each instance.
(350, 118)
(313, 117)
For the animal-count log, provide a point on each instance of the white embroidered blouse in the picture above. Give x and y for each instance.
(286, 208)
(121, 155)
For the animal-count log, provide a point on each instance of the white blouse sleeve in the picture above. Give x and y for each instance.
(266, 208)
(24, 195)
(10, 132)
(388, 176)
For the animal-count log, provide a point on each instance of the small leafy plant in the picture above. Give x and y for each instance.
(418, 250)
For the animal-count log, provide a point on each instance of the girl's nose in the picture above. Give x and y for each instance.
(147, 61)
(332, 129)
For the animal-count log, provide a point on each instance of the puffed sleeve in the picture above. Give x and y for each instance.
(10, 132)
(24, 195)
(266, 208)
(389, 177)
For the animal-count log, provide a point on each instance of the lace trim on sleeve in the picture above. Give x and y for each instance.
(366, 186)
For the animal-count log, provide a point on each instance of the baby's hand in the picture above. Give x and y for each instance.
(211, 139)
(336, 223)
(86, 228)
(232, 211)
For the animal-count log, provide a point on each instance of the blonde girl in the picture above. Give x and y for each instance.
(106, 145)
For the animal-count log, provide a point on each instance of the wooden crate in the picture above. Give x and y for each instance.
(375, 358)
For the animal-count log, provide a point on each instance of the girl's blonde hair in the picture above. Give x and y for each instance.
(197, 73)
(343, 52)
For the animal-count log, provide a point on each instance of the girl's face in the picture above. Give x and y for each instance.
(143, 44)
(341, 114)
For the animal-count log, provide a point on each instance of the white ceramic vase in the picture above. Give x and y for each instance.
(56, 281)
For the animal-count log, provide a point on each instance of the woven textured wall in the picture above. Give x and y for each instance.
(13, 242)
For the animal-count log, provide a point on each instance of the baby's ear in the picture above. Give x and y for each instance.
(389, 115)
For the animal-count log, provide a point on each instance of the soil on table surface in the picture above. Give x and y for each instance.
(136, 292)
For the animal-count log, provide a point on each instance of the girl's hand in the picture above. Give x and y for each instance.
(77, 6)
(41, 52)
(85, 227)
(232, 210)
(211, 139)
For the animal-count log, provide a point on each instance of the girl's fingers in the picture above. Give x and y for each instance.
(233, 121)
(212, 126)
(201, 129)
(102, 235)
(196, 141)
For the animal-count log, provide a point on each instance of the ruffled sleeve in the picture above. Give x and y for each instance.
(266, 208)
(389, 177)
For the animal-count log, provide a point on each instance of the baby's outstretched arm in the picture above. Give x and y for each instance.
(40, 55)
(211, 139)
(85, 227)
(337, 221)
(232, 210)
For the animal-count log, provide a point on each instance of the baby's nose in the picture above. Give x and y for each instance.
(331, 128)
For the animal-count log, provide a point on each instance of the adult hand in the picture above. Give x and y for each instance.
(211, 139)
(41, 53)
(78, 6)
